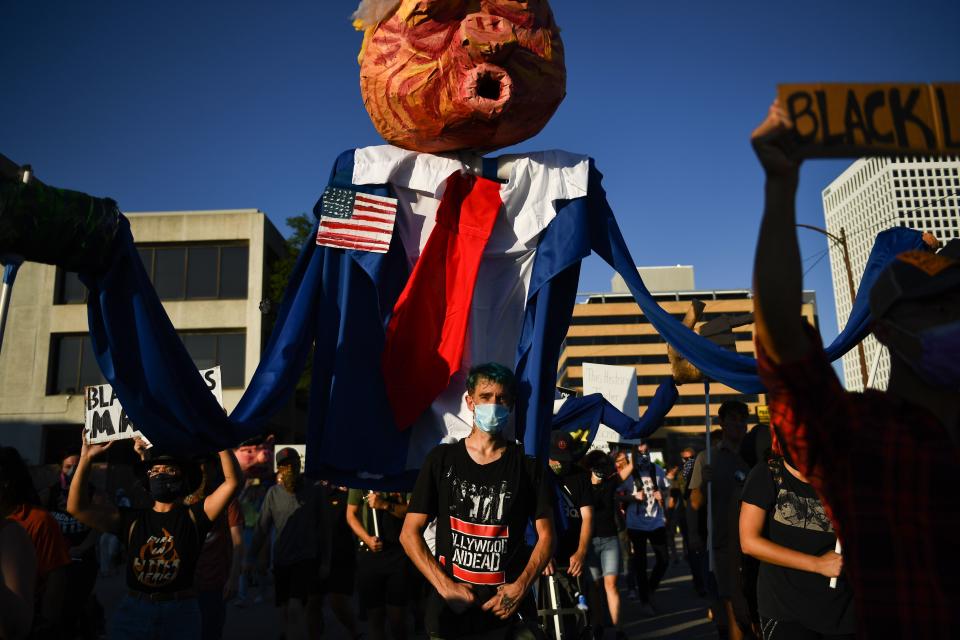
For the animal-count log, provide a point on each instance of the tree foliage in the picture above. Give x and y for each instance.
(301, 228)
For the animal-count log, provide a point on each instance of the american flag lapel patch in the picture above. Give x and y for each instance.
(352, 220)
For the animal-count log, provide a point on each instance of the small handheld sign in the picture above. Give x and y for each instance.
(105, 419)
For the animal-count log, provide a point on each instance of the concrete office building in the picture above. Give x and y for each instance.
(874, 194)
(210, 269)
(609, 328)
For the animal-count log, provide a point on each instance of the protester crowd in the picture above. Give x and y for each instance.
(486, 534)
(489, 536)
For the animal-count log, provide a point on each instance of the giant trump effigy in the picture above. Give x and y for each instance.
(428, 257)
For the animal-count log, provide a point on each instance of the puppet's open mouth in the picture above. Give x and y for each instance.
(486, 90)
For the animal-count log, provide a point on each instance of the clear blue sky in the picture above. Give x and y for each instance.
(202, 105)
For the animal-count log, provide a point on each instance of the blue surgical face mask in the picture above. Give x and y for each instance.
(490, 418)
(938, 363)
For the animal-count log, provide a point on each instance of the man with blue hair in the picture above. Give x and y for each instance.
(482, 490)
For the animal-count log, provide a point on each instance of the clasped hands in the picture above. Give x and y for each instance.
(459, 596)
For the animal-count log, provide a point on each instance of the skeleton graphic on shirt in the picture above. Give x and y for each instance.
(645, 483)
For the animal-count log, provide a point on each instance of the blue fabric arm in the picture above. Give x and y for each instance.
(663, 400)
(733, 369)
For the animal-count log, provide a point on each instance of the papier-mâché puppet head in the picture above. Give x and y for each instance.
(445, 75)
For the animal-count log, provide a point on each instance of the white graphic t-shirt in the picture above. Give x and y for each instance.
(648, 514)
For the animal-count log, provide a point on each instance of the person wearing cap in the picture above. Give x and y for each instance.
(483, 490)
(296, 512)
(163, 542)
(884, 463)
(573, 509)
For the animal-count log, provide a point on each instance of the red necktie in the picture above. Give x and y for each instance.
(428, 328)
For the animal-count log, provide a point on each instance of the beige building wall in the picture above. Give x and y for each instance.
(28, 410)
(630, 340)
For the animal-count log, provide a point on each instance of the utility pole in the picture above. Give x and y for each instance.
(842, 241)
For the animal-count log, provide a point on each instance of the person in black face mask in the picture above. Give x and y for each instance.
(163, 542)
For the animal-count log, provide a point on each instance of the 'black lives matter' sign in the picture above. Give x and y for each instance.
(106, 420)
(852, 120)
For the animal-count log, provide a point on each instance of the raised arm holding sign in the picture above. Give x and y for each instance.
(850, 446)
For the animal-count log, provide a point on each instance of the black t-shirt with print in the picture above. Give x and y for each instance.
(482, 513)
(796, 520)
(605, 507)
(162, 548)
(573, 492)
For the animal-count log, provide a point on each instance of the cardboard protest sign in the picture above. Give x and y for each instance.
(617, 384)
(854, 120)
(106, 420)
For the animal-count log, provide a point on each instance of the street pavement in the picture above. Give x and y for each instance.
(682, 614)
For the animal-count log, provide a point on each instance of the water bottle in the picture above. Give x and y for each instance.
(582, 602)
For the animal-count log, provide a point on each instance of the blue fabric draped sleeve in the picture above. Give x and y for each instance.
(733, 369)
(587, 412)
(339, 302)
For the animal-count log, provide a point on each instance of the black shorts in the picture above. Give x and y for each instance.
(300, 580)
(382, 578)
(339, 580)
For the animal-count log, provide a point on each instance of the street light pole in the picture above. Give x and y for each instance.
(842, 241)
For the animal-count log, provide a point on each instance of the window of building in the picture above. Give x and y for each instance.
(197, 272)
(73, 364)
(228, 350)
(653, 338)
(180, 272)
(69, 289)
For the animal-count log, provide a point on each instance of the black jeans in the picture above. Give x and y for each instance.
(646, 585)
